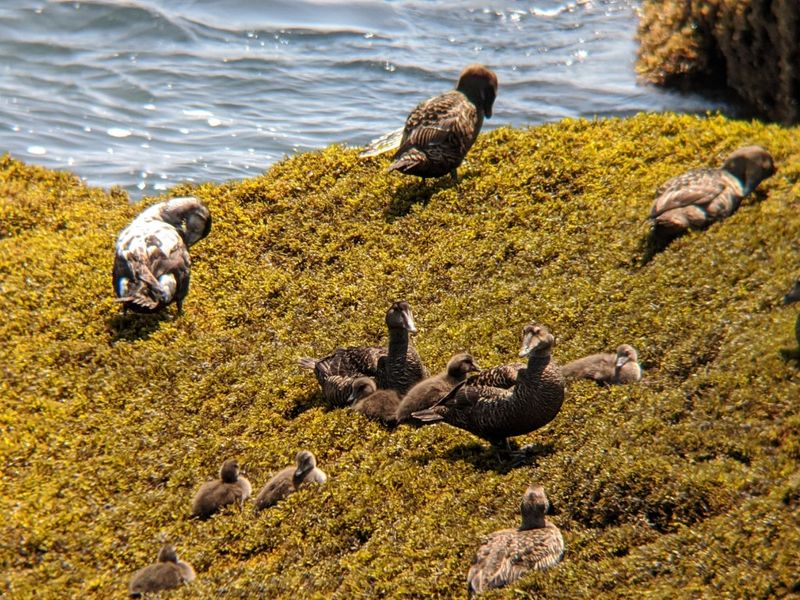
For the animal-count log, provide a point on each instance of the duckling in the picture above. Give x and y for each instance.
(794, 296)
(230, 488)
(508, 554)
(289, 480)
(701, 197)
(426, 393)
(165, 574)
(397, 367)
(440, 131)
(496, 414)
(375, 404)
(622, 367)
(151, 262)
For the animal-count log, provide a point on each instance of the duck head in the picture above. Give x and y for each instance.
(399, 316)
(533, 507)
(306, 462)
(167, 554)
(461, 364)
(361, 388)
(189, 216)
(479, 84)
(229, 472)
(750, 165)
(626, 353)
(536, 341)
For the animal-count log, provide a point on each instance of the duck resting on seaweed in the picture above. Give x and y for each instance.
(230, 488)
(496, 414)
(151, 262)
(440, 131)
(287, 481)
(165, 574)
(794, 296)
(700, 197)
(397, 367)
(508, 554)
(606, 368)
(375, 404)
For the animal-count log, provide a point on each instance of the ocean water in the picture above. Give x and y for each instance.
(148, 93)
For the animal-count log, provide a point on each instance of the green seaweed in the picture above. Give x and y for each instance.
(684, 484)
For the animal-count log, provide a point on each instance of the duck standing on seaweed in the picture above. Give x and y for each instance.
(152, 263)
(440, 131)
(701, 197)
(496, 414)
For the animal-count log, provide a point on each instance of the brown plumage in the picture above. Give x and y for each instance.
(428, 392)
(508, 554)
(165, 574)
(375, 404)
(151, 262)
(397, 367)
(701, 197)
(289, 480)
(230, 488)
(794, 296)
(495, 414)
(605, 368)
(440, 131)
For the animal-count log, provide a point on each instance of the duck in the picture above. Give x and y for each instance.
(507, 554)
(230, 488)
(288, 480)
(375, 404)
(700, 197)
(166, 573)
(495, 414)
(440, 131)
(429, 391)
(794, 296)
(397, 367)
(151, 260)
(606, 368)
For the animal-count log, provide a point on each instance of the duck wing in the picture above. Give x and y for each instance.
(699, 187)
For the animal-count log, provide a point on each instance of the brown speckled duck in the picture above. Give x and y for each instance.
(151, 262)
(794, 296)
(230, 488)
(375, 404)
(165, 574)
(440, 131)
(289, 480)
(428, 392)
(605, 368)
(397, 367)
(508, 554)
(701, 197)
(496, 414)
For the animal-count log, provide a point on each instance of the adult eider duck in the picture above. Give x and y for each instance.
(508, 554)
(428, 392)
(151, 262)
(375, 404)
(496, 414)
(165, 574)
(397, 367)
(794, 296)
(606, 368)
(288, 480)
(440, 131)
(230, 488)
(701, 197)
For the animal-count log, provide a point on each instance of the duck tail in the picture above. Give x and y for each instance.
(385, 143)
(307, 363)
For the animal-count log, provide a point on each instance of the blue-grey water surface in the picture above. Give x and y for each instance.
(148, 93)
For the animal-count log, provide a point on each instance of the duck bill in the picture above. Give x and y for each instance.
(621, 361)
(298, 473)
(475, 368)
(527, 348)
(408, 319)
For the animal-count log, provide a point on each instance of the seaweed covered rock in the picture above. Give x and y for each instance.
(750, 46)
(688, 481)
